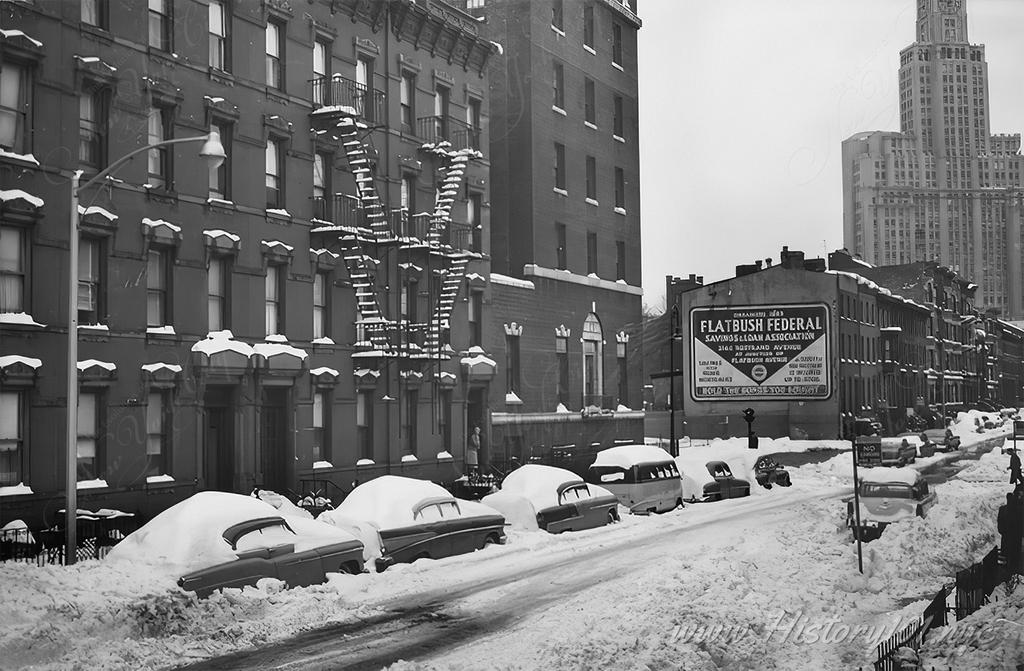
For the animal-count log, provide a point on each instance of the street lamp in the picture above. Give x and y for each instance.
(213, 151)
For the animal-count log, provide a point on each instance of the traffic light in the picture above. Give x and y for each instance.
(748, 415)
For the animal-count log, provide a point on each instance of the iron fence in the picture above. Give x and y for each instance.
(976, 583)
(347, 96)
(460, 135)
(94, 535)
(912, 635)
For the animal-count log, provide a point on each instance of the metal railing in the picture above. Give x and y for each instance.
(348, 97)
(435, 129)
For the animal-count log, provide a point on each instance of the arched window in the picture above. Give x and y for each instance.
(593, 370)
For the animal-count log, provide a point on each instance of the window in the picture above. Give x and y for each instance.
(220, 177)
(473, 210)
(91, 271)
(592, 357)
(275, 55)
(559, 86)
(13, 252)
(13, 106)
(217, 294)
(364, 423)
(322, 201)
(617, 44)
(560, 166)
(589, 103)
(620, 260)
(92, 126)
(94, 13)
(557, 14)
(588, 26)
(157, 283)
(275, 173)
(617, 121)
(475, 322)
(410, 419)
(561, 260)
(219, 50)
(473, 121)
(12, 438)
(591, 178)
(513, 381)
(407, 307)
(158, 434)
(620, 188)
(444, 419)
(321, 66)
(364, 87)
(160, 24)
(273, 299)
(562, 354)
(591, 253)
(321, 425)
(160, 158)
(321, 296)
(90, 446)
(407, 203)
(408, 102)
(442, 98)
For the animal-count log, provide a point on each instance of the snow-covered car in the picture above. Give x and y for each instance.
(945, 440)
(897, 452)
(643, 477)
(725, 485)
(416, 519)
(888, 495)
(923, 447)
(560, 499)
(214, 540)
(768, 472)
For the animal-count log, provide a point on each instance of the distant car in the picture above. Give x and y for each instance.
(866, 426)
(888, 495)
(768, 472)
(417, 519)
(265, 548)
(945, 440)
(561, 500)
(897, 452)
(924, 447)
(726, 485)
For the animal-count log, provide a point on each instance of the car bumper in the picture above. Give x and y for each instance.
(382, 563)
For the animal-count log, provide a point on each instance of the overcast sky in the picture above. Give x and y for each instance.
(744, 105)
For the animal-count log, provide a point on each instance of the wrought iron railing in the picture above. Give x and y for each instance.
(347, 96)
(461, 135)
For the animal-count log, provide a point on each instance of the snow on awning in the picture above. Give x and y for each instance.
(279, 357)
(161, 374)
(96, 372)
(324, 376)
(366, 377)
(163, 231)
(12, 195)
(96, 211)
(20, 36)
(9, 360)
(95, 363)
(93, 63)
(478, 366)
(221, 350)
(15, 369)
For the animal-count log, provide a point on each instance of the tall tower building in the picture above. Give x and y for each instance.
(942, 188)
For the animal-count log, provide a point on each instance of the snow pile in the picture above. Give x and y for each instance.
(518, 511)
(990, 638)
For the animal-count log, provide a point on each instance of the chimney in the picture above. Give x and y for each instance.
(757, 264)
(767, 263)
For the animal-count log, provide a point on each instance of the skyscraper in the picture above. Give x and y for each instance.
(944, 187)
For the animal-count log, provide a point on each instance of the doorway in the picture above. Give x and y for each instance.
(219, 438)
(274, 438)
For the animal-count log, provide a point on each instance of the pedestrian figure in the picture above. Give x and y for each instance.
(1011, 527)
(1015, 475)
(473, 452)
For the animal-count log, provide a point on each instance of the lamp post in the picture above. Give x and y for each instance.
(213, 151)
(673, 334)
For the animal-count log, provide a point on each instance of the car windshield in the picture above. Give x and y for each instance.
(889, 490)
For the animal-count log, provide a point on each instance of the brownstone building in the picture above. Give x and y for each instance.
(306, 325)
(565, 225)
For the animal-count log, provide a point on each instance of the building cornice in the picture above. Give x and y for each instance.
(534, 270)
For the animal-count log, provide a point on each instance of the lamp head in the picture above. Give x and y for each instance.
(213, 150)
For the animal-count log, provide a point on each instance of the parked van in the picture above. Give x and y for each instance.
(643, 477)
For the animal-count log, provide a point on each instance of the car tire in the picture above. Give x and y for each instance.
(613, 517)
(679, 503)
(767, 485)
(349, 568)
(490, 539)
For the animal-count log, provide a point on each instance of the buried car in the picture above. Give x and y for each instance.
(643, 477)
(887, 495)
(560, 499)
(416, 519)
(768, 472)
(725, 485)
(945, 440)
(923, 447)
(214, 540)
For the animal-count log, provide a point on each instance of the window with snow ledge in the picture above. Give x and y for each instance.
(619, 138)
(591, 201)
(558, 110)
(620, 210)
(561, 192)
(590, 125)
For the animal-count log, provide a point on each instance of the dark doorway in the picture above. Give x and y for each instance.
(475, 405)
(219, 438)
(274, 439)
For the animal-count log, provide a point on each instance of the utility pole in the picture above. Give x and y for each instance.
(673, 333)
